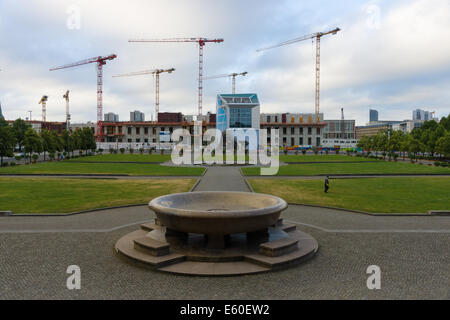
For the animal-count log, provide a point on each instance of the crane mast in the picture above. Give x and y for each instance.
(317, 36)
(66, 97)
(201, 43)
(156, 73)
(101, 61)
(43, 102)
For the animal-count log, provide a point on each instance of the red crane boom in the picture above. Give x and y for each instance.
(101, 61)
(201, 43)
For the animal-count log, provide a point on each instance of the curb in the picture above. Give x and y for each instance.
(6, 213)
(371, 213)
(73, 213)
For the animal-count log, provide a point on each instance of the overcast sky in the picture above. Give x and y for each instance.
(393, 56)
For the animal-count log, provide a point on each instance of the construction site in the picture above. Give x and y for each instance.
(299, 131)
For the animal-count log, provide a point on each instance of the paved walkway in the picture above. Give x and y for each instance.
(412, 252)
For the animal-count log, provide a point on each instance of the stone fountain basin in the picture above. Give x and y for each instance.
(218, 212)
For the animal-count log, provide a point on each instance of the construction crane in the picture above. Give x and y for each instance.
(342, 124)
(43, 102)
(66, 96)
(101, 61)
(156, 73)
(201, 43)
(233, 75)
(316, 36)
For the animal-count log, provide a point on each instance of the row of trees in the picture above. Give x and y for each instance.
(21, 135)
(432, 138)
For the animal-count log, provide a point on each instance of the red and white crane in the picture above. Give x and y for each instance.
(43, 102)
(101, 61)
(155, 72)
(201, 43)
(232, 75)
(316, 36)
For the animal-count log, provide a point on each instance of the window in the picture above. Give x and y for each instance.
(129, 140)
(309, 141)
(138, 131)
(293, 130)
(301, 130)
(309, 131)
(129, 131)
(146, 140)
(284, 131)
(318, 141)
(138, 140)
(146, 131)
(318, 130)
(268, 118)
(300, 141)
(154, 131)
(292, 142)
(284, 141)
(240, 118)
(276, 118)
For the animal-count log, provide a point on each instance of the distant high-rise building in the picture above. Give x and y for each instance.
(373, 115)
(137, 116)
(111, 117)
(422, 115)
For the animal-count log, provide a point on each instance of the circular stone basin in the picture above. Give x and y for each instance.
(218, 213)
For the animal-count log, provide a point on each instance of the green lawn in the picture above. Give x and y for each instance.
(46, 195)
(321, 158)
(377, 195)
(125, 158)
(379, 167)
(67, 167)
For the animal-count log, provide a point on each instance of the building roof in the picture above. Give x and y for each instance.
(238, 98)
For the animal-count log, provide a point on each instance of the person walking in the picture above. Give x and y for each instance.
(327, 184)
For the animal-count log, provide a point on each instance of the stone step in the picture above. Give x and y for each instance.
(279, 247)
(288, 227)
(278, 223)
(153, 247)
(148, 227)
(125, 246)
(306, 249)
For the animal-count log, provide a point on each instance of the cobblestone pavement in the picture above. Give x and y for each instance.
(412, 252)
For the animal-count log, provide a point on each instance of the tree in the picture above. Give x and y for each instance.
(48, 142)
(32, 142)
(443, 145)
(414, 146)
(20, 127)
(7, 141)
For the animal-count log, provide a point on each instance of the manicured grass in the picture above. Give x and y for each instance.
(321, 158)
(67, 167)
(379, 167)
(377, 195)
(125, 158)
(46, 195)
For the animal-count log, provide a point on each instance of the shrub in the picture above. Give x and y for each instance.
(65, 154)
(131, 150)
(395, 156)
(141, 150)
(51, 155)
(444, 164)
(18, 158)
(326, 151)
(296, 152)
(122, 150)
(337, 151)
(437, 163)
(304, 151)
(4, 164)
(67, 157)
(35, 157)
(162, 151)
(12, 164)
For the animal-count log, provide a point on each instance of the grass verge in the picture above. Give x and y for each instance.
(379, 167)
(67, 167)
(375, 195)
(46, 195)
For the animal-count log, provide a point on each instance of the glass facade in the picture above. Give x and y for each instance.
(240, 117)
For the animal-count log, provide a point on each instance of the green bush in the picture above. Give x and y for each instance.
(337, 151)
(18, 158)
(444, 164)
(141, 150)
(122, 150)
(437, 163)
(12, 164)
(35, 157)
(4, 164)
(131, 150)
(304, 151)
